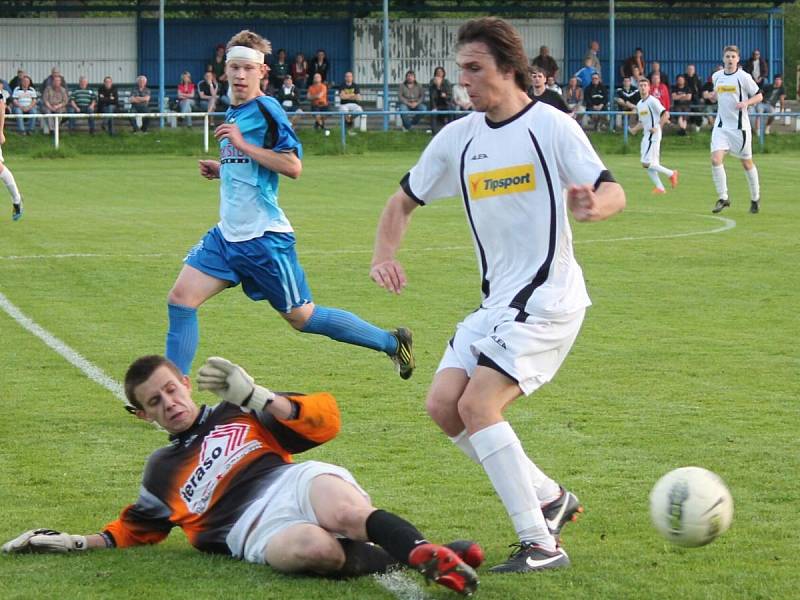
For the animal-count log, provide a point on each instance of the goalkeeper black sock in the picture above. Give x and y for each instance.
(394, 534)
(362, 558)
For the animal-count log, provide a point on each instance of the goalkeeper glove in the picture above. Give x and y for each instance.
(232, 383)
(45, 540)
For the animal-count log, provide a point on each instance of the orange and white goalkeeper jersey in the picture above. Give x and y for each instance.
(210, 474)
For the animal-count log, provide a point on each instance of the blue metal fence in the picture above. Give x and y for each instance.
(190, 43)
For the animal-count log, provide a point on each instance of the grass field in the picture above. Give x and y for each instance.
(689, 356)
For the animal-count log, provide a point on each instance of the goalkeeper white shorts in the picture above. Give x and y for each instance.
(529, 352)
(285, 503)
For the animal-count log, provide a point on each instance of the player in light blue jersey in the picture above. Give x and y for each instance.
(253, 243)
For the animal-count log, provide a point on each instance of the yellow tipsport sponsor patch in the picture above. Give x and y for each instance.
(644, 113)
(721, 89)
(499, 182)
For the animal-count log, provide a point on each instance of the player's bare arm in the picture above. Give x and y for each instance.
(663, 121)
(586, 204)
(750, 101)
(285, 163)
(386, 271)
(209, 168)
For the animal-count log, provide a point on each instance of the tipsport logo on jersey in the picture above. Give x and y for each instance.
(222, 448)
(499, 182)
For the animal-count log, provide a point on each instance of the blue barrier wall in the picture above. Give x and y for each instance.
(189, 44)
(673, 43)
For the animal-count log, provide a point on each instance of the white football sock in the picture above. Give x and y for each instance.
(547, 490)
(752, 181)
(720, 180)
(662, 169)
(11, 184)
(653, 174)
(508, 468)
(463, 443)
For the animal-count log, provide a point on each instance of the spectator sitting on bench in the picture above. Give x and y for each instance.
(24, 100)
(140, 101)
(318, 97)
(208, 91)
(186, 96)
(411, 96)
(350, 98)
(54, 99)
(299, 71)
(287, 96)
(83, 100)
(108, 102)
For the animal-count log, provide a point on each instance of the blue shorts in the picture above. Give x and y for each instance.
(267, 267)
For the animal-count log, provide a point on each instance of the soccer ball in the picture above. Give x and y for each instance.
(691, 506)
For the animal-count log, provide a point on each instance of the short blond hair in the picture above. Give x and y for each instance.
(252, 40)
(732, 49)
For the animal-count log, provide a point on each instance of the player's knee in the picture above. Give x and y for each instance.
(312, 549)
(645, 165)
(350, 519)
(177, 296)
(474, 410)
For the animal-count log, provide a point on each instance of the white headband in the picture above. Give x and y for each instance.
(245, 53)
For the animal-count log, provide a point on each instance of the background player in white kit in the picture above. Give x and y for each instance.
(518, 165)
(5, 174)
(735, 91)
(652, 117)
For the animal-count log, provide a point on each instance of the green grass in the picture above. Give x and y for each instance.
(688, 356)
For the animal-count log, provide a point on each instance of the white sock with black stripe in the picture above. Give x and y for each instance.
(7, 178)
(752, 182)
(653, 174)
(720, 180)
(662, 169)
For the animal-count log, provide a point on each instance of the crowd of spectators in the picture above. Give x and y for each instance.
(586, 90)
(297, 83)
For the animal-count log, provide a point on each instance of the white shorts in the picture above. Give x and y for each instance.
(286, 503)
(1, 154)
(531, 352)
(739, 142)
(650, 148)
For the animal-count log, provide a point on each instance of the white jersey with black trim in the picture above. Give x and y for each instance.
(650, 111)
(732, 88)
(512, 178)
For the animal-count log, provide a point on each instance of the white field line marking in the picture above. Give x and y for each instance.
(92, 371)
(726, 225)
(400, 585)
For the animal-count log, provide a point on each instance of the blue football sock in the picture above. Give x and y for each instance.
(183, 336)
(344, 326)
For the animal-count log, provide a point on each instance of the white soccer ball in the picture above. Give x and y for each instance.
(691, 506)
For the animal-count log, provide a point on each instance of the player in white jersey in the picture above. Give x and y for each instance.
(5, 173)
(519, 167)
(735, 91)
(652, 117)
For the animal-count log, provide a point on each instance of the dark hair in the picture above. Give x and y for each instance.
(504, 43)
(140, 371)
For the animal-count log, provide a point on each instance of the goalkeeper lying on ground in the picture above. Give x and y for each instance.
(227, 480)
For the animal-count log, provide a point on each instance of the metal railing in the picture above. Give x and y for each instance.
(171, 119)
